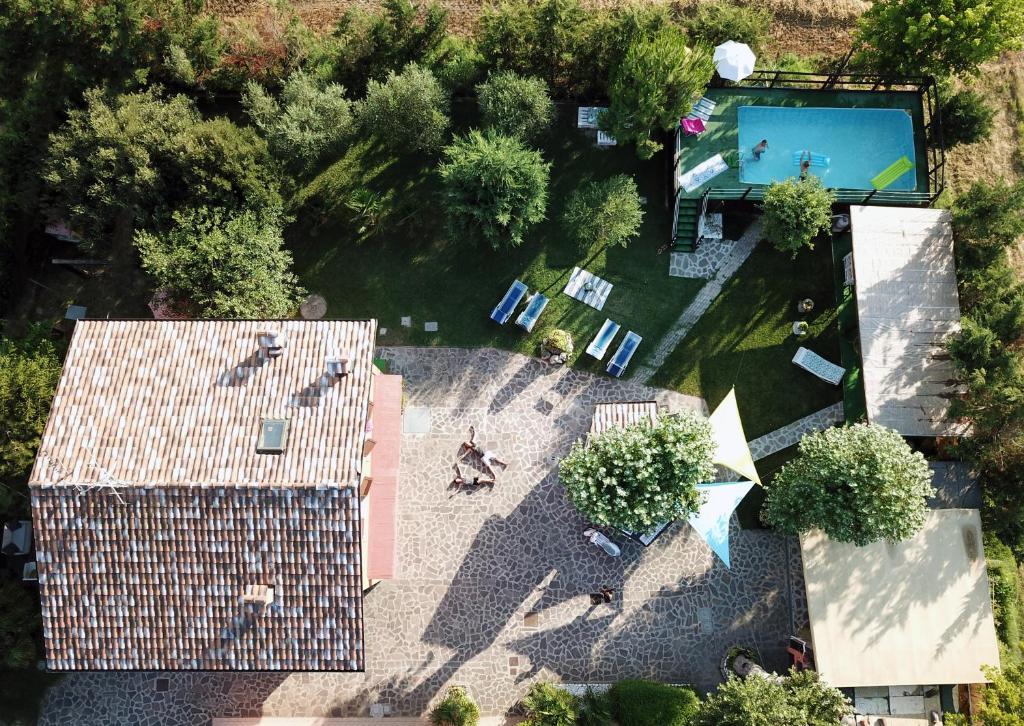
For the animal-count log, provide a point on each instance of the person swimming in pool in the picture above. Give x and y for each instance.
(760, 149)
(805, 164)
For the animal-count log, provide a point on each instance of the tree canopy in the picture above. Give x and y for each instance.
(797, 698)
(638, 477)
(409, 111)
(494, 188)
(657, 82)
(939, 37)
(1003, 699)
(516, 105)
(225, 263)
(602, 213)
(858, 483)
(795, 212)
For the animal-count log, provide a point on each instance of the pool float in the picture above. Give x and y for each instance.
(892, 172)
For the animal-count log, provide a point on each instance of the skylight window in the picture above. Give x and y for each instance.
(273, 435)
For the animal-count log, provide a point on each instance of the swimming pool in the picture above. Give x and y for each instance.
(849, 146)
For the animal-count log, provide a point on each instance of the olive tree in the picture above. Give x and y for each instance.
(657, 82)
(409, 110)
(494, 188)
(310, 119)
(516, 105)
(797, 698)
(603, 213)
(795, 212)
(640, 476)
(939, 37)
(227, 264)
(858, 483)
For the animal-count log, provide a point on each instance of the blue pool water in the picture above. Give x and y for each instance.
(849, 146)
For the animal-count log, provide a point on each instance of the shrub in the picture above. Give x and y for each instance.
(974, 347)
(19, 620)
(937, 37)
(595, 708)
(859, 483)
(638, 477)
(494, 188)
(646, 703)
(226, 263)
(515, 105)
(456, 709)
(988, 218)
(548, 705)
(558, 340)
(29, 370)
(718, 21)
(310, 121)
(603, 213)
(408, 111)
(797, 698)
(965, 118)
(1002, 702)
(795, 212)
(457, 63)
(655, 84)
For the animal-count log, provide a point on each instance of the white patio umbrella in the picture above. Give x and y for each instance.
(734, 61)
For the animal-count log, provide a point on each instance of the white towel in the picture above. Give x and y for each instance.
(703, 173)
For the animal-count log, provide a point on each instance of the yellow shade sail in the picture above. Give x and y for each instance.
(730, 441)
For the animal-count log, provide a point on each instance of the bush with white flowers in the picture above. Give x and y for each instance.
(638, 477)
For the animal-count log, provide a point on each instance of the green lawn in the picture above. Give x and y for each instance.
(409, 266)
(745, 340)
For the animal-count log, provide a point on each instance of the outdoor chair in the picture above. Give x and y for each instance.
(693, 126)
(814, 363)
(504, 309)
(599, 345)
(617, 365)
(528, 318)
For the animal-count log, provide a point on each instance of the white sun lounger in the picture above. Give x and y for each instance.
(586, 116)
(504, 309)
(702, 173)
(814, 363)
(617, 365)
(528, 318)
(599, 345)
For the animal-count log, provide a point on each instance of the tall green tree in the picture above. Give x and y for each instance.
(224, 263)
(640, 476)
(29, 370)
(515, 105)
(797, 698)
(939, 37)
(859, 483)
(494, 188)
(656, 84)
(1002, 702)
(310, 120)
(795, 212)
(144, 155)
(603, 213)
(409, 111)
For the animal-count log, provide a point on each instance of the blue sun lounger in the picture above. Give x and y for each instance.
(599, 345)
(503, 310)
(617, 365)
(528, 318)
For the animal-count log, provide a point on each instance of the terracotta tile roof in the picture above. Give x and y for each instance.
(620, 415)
(157, 582)
(151, 573)
(160, 402)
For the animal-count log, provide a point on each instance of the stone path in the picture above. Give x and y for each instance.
(791, 434)
(703, 263)
(693, 312)
(492, 585)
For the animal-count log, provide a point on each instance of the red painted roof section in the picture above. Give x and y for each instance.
(387, 433)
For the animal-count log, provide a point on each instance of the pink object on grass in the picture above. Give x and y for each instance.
(693, 126)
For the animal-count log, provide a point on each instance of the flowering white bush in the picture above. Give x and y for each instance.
(637, 477)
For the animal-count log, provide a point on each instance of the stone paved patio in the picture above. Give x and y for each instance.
(492, 584)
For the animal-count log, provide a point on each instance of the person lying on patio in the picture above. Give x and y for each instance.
(458, 480)
(489, 459)
(467, 448)
(483, 480)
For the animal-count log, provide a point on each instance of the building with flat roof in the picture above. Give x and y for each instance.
(204, 495)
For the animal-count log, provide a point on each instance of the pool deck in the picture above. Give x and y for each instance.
(722, 134)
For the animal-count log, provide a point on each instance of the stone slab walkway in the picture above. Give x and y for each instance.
(702, 264)
(492, 585)
(693, 312)
(791, 434)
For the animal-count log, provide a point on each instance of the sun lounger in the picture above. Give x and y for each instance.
(702, 109)
(617, 365)
(528, 318)
(599, 345)
(503, 310)
(586, 116)
(604, 139)
(823, 369)
(703, 173)
(692, 126)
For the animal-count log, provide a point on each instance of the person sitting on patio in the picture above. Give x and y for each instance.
(760, 149)
(805, 164)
